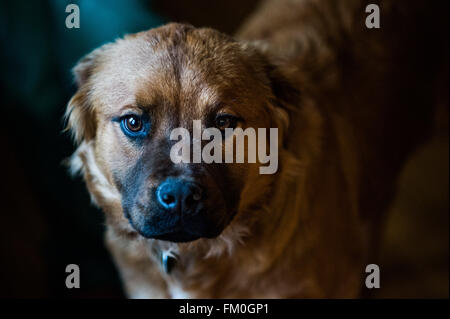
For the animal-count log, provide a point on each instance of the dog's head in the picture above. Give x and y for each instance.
(134, 92)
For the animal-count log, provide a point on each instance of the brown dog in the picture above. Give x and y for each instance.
(349, 103)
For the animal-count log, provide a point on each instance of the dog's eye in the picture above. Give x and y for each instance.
(134, 125)
(226, 121)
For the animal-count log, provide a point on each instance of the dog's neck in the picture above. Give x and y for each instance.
(244, 231)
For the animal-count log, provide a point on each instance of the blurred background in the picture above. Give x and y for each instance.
(46, 218)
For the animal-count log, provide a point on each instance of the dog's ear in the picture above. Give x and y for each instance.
(285, 93)
(286, 96)
(79, 115)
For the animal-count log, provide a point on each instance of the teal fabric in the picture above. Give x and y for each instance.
(38, 51)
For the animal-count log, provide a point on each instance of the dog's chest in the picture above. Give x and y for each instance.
(175, 291)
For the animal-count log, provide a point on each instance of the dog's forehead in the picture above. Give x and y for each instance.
(148, 71)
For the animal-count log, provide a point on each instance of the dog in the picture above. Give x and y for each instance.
(350, 104)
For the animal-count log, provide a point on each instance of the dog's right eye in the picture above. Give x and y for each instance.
(134, 125)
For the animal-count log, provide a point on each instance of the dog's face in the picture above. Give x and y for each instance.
(134, 92)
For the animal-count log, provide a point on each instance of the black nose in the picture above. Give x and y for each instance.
(178, 195)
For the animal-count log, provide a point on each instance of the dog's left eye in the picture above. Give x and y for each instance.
(224, 121)
(134, 125)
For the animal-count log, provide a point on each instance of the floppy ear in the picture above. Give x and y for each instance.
(81, 122)
(79, 115)
(285, 93)
(286, 98)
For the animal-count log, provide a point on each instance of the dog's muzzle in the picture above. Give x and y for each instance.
(178, 212)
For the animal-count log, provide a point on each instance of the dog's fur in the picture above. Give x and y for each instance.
(350, 104)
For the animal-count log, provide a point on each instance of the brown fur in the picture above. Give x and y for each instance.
(350, 107)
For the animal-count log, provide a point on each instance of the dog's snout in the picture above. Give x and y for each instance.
(177, 195)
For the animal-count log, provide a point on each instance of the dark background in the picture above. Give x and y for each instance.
(46, 219)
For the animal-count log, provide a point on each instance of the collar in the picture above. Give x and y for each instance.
(168, 261)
